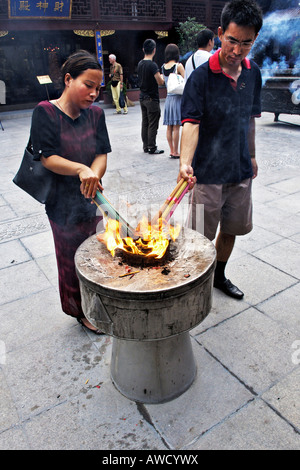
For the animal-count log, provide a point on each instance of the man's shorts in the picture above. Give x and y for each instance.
(227, 204)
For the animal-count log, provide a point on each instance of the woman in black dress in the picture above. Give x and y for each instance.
(70, 137)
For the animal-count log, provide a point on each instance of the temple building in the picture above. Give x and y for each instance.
(37, 36)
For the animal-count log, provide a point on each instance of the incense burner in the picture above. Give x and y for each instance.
(280, 94)
(149, 314)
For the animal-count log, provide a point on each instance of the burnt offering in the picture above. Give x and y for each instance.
(149, 312)
(146, 258)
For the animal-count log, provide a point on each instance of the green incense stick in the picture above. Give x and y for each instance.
(109, 212)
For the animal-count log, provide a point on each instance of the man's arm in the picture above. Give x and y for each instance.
(159, 78)
(251, 146)
(189, 141)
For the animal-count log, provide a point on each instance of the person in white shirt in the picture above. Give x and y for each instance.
(205, 42)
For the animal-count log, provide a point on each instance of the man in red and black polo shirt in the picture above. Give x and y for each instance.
(219, 104)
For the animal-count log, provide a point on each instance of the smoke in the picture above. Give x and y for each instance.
(278, 26)
(280, 30)
(269, 67)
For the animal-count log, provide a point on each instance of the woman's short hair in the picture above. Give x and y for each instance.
(171, 53)
(77, 63)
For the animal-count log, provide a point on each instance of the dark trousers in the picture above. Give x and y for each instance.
(67, 239)
(150, 119)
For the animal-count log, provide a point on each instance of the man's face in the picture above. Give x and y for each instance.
(236, 43)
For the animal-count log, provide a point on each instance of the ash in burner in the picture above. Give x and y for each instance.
(144, 261)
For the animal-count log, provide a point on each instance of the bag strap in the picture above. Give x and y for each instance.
(193, 61)
(29, 145)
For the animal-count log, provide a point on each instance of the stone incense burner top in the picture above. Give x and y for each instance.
(190, 257)
(149, 313)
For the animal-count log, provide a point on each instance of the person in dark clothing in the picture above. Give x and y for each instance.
(70, 137)
(149, 79)
(219, 104)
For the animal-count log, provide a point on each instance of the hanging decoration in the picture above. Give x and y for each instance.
(89, 33)
(161, 34)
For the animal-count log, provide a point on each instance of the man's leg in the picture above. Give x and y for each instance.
(145, 124)
(153, 117)
(236, 217)
(125, 109)
(115, 91)
(224, 247)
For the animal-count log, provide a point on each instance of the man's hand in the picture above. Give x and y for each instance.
(254, 167)
(186, 172)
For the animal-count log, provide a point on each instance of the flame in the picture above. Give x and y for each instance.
(152, 240)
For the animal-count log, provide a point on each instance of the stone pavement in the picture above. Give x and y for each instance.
(55, 387)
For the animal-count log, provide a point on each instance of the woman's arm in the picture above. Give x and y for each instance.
(180, 69)
(88, 176)
(99, 168)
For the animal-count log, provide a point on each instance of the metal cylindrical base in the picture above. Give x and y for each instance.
(153, 371)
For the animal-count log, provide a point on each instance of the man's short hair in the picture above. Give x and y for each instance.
(112, 56)
(243, 13)
(149, 46)
(204, 36)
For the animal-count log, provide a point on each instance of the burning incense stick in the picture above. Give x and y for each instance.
(174, 199)
(170, 204)
(169, 215)
(109, 212)
(167, 201)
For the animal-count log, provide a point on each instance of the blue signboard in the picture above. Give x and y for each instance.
(49, 9)
(99, 52)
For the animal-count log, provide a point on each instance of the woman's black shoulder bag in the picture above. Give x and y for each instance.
(34, 178)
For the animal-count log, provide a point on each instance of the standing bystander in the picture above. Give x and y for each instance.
(116, 76)
(219, 104)
(149, 79)
(172, 112)
(205, 42)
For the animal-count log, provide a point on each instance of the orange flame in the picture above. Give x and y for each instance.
(151, 240)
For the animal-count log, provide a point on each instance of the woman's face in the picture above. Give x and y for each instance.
(84, 89)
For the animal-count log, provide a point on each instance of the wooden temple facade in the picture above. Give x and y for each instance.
(35, 42)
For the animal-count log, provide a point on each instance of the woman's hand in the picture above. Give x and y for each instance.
(89, 177)
(89, 182)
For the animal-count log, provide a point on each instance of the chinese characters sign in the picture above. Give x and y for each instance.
(99, 52)
(44, 9)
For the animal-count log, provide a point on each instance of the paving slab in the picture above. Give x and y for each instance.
(257, 349)
(284, 308)
(284, 396)
(55, 385)
(213, 396)
(94, 419)
(254, 427)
